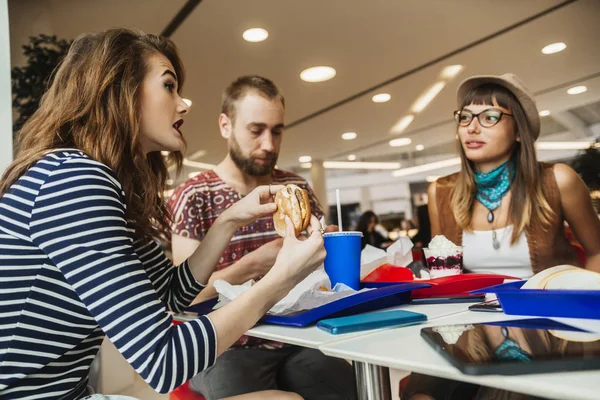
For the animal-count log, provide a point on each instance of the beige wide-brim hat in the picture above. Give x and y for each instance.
(515, 86)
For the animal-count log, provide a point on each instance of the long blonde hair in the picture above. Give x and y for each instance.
(528, 200)
(93, 104)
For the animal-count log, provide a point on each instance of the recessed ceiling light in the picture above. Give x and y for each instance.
(164, 153)
(306, 165)
(400, 142)
(305, 159)
(381, 97)
(554, 48)
(451, 71)
(419, 147)
(577, 89)
(317, 74)
(360, 165)
(426, 98)
(352, 157)
(196, 164)
(544, 113)
(349, 135)
(193, 174)
(188, 102)
(563, 145)
(255, 35)
(427, 167)
(402, 124)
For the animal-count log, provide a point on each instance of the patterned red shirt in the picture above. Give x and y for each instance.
(199, 201)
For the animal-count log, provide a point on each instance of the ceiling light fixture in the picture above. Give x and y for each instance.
(188, 102)
(577, 89)
(197, 154)
(400, 142)
(427, 97)
(193, 174)
(360, 165)
(169, 181)
(427, 167)
(451, 71)
(554, 48)
(564, 145)
(164, 153)
(352, 157)
(381, 97)
(304, 159)
(255, 35)
(419, 147)
(306, 165)
(349, 135)
(402, 124)
(196, 164)
(544, 113)
(317, 74)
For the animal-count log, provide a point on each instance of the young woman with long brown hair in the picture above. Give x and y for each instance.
(79, 214)
(504, 207)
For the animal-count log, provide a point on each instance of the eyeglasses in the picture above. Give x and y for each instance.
(487, 118)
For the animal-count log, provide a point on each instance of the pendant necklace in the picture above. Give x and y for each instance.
(495, 241)
(491, 187)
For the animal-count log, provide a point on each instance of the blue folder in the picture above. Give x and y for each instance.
(371, 300)
(546, 303)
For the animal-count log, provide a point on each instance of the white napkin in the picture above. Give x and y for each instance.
(307, 295)
(399, 253)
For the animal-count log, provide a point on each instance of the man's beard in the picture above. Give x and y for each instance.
(248, 164)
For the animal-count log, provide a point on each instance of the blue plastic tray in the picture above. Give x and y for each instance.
(546, 303)
(376, 299)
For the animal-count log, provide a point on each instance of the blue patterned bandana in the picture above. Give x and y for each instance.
(493, 185)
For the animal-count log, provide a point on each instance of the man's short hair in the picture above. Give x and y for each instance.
(241, 86)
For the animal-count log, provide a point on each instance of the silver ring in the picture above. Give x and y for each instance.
(270, 193)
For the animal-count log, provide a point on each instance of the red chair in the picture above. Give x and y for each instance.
(580, 253)
(184, 392)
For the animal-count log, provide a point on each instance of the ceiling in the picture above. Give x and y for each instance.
(369, 42)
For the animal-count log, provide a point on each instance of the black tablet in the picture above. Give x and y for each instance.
(527, 346)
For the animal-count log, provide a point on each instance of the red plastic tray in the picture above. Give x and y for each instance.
(448, 286)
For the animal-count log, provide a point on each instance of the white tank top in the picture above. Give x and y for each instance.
(480, 256)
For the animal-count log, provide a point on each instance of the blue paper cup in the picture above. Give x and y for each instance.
(342, 263)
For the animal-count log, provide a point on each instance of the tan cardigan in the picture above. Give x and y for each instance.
(547, 247)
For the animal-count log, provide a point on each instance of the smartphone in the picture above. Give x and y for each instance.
(363, 322)
(487, 306)
(449, 299)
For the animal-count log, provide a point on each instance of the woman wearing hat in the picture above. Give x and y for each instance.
(506, 208)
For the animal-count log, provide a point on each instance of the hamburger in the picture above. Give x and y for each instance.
(293, 202)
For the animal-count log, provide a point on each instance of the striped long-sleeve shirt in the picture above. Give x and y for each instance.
(71, 272)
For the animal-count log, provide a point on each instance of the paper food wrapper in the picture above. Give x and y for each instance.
(399, 253)
(314, 291)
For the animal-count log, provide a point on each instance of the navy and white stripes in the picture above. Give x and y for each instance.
(71, 271)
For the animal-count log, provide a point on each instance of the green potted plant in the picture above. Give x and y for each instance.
(29, 82)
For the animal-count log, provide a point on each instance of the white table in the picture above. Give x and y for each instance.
(372, 379)
(403, 348)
